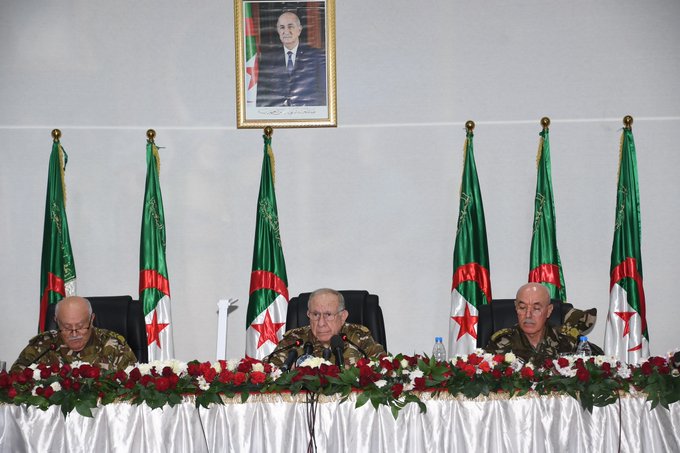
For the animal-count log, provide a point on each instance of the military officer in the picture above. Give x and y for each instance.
(327, 316)
(532, 339)
(76, 340)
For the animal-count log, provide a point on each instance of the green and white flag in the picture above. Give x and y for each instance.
(154, 285)
(57, 267)
(251, 54)
(471, 278)
(268, 302)
(626, 336)
(544, 261)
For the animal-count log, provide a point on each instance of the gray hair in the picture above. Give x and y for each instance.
(87, 302)
(338, 294)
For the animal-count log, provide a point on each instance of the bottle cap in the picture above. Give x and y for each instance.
(583, 338)
(438, 339)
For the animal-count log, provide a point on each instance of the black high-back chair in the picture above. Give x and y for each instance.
(501, 313)
(120, 314)
(362, 307)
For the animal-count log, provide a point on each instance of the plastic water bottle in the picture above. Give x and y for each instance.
(438, 351)
(583, 347)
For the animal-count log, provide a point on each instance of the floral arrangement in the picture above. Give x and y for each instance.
(393, 381)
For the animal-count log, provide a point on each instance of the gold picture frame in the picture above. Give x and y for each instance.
(272, 89)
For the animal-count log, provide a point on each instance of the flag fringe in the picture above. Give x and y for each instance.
(62, 168)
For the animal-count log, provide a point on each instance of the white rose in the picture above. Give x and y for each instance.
(202, 383)
(510, 357)
(380, 383)
(55, 386)
(258, 367)
(404, 363)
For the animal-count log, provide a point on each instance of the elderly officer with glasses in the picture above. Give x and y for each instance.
(532, 339)
(76, 340)
(327, 316)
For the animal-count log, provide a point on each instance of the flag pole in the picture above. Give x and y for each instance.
(56, 135)
(628, 122)
(469, 125)
(545, 123)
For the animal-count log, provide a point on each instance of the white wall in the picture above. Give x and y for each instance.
(371, 204)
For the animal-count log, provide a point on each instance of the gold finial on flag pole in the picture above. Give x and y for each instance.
(151, 134)
(469, 125)
(268, 131)
(56, 134)
(545, 122)
(628, 122)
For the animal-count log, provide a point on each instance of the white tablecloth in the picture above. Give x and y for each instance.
(278, 423)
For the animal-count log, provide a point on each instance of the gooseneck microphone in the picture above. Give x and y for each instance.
(337, 346)
(51, 347)
(290, 360)
(346, 339)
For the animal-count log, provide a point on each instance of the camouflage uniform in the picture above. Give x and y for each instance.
(356, 333)
(105, 348)
(556, 340)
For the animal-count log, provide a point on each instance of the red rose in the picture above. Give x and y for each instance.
(39, 391)
(362, 362)
(646, 368)
(209, 374)
(76, 386)
(120, 376)
(146, 380)
(49, 391)
(135, 374)
(5, 381)
(396, 390)
(54, 367)
(499, 358)
(657, 361)
(45, 373)
(239, 378)
(548, 363)
(225, 376)
(562, 362)
(496, 373)
(386, 365)
(485, 367)
(174, 379)
(329, 370)
(469, 370)
(419, 383)
(257, 377)
(527, 372)
(167, 371)
(66, 384)
(582, 374)
(130, 384)
(12, 392)
(162, 384)
(194, 369)
(474, 359)
(508, 372)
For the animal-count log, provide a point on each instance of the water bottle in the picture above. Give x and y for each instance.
(583, 347)
(438, 351)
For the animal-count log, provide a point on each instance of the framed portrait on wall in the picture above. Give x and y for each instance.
(285, 63)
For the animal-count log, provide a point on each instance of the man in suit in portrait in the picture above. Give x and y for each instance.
(292, 75)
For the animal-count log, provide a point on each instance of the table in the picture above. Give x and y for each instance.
(278, 423)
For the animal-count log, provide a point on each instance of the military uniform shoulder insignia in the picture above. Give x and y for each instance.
(502, 333)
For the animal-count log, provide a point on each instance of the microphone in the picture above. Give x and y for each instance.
(676, 360)
(292, 357)
(337, 345)
(307, 352)
(308, 349)
(51, 347)
(297, 344)
(358, 348)
(326, 353)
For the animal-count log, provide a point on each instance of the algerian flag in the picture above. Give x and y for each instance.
(57, 267)
(154, 286)
(268, 302)
(544, 260)
(471, 279)
(251, 54)
(626, 336)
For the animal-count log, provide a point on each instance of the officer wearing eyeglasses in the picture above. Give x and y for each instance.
(532, 339)
(76, 340)
(327, 316)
